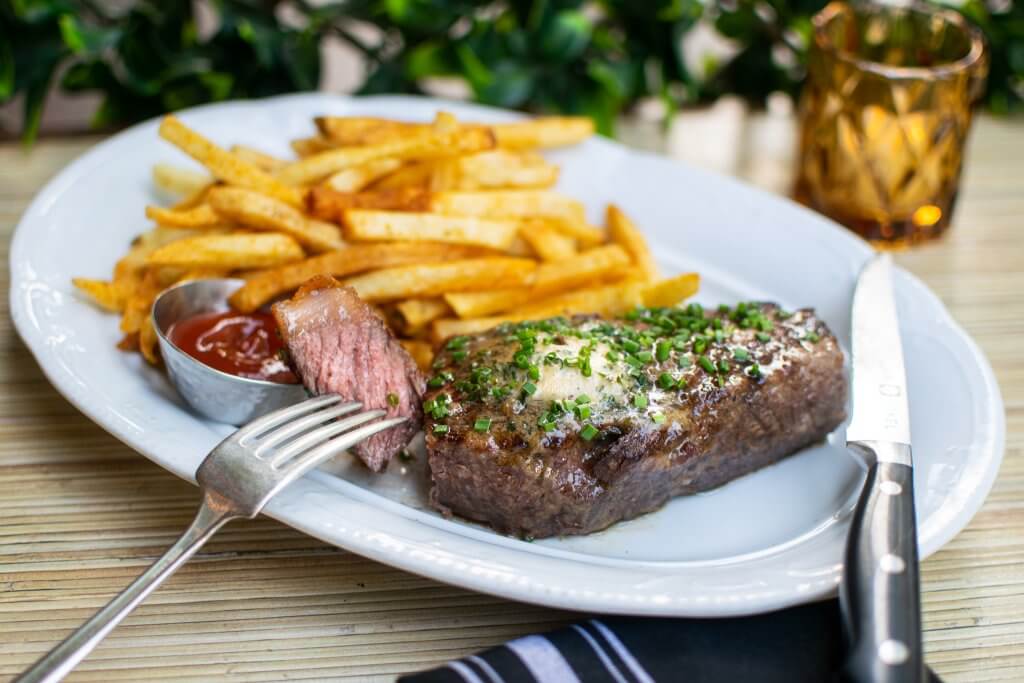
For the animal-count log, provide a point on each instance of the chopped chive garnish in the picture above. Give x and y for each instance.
(640, 401)
(582, 399)
(662, 351)
(459, 356)
(482, 424)
(721, 381)
(533, 372)
(754, 370)
(666, 381)
(588, 432)
(440, 429)
(706, 363)
(812, 337)
(457, 343)
(630, 345)
(645, 356)
(740, 354)
(658, 418)
(529, 388)
(685, 362)
(764, 337)
(723, 365)
(582, 412)
(392, 399)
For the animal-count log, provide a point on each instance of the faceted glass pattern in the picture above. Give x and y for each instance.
(884, 116)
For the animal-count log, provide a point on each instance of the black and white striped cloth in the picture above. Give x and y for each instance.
(791, 646)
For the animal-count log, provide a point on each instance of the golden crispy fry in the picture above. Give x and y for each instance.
(240, 250)
(417, 174)
(433, 279)
(224, 164)
(140, 300)
(193, 200)
(147, 341)
(304, 147)
(545, 131)
(257, 158)
(107, 295)
(329, 205)
(586, 235)
(362, 225)
(356, 178)
(180, 181)
(316, 167)
(200, 216)
(520, 247)
(607, 300)
(586, 268)
(623, 231)
(422, 352)
(416, 313)
(496, 169)
(671, 291)
(258, 211)
(266, 285)
(552, 131)
(549, 243)
(509, 204)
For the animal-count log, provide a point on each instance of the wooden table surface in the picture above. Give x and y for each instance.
(81, 515)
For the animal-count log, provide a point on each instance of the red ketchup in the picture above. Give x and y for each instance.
(242, 344)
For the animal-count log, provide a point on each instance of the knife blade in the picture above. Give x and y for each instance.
(879, 387)
(880, 593)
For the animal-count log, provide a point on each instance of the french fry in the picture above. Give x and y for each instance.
(266, 285)
(304, 147)
(316, 167)
(107, 295)
(622, 230)
(551, 131)
(261, 212)
(361, 225)
(545, 131)
(257, 158)
(417, 313)
(329, 205)
(586, 235)
(547, 242)
(496, 169)
(230, 252)
(200, 216)
(671, 291)
(148, 341)
(520, 247)
(193, 200)
(607, 300)
(358, 177)
(422, 352)
(180, 181)
(225, 165)
(585, 268)
(140, 300)
(418, 174)
(433, 279)
(509, 204)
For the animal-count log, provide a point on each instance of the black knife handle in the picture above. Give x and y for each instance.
(880, 590)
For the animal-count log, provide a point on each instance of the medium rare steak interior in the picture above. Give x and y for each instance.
(567, 426)
(338, 344)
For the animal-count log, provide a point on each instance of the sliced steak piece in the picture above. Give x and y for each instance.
(338, 344)
(567, 426)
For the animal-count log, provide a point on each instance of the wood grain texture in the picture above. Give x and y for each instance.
(81, 515)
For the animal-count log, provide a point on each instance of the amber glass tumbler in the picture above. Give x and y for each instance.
(884, 116)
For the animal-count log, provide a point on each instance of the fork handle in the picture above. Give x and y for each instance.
(63, 658)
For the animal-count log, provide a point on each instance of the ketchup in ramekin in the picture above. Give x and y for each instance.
(242, 344)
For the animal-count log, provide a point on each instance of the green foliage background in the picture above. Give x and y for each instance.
(146, 57)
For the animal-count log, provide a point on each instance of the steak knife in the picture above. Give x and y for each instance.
(880, 590)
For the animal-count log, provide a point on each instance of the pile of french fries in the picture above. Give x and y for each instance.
(449, 227)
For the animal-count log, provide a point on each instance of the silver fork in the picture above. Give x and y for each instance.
(236, 479)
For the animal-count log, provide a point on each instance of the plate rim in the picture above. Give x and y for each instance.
(62, 379)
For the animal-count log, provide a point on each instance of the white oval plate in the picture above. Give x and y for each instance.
(766, 541)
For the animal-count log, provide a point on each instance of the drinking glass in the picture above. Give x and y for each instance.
(884, 116)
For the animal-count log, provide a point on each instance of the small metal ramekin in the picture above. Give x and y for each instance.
(214, 394)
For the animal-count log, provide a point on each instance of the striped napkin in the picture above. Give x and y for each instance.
(791, 646)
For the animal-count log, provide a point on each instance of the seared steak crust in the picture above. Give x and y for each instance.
(728, 398)
(339, 344)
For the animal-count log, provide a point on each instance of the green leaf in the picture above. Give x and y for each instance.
(84, 40)
(476, 71)
(427, 59)
(6, 71)
(565, 37)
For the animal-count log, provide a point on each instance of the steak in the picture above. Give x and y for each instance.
(565, 427)
(338, 344)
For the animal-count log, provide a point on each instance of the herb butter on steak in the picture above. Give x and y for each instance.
(565, 427)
